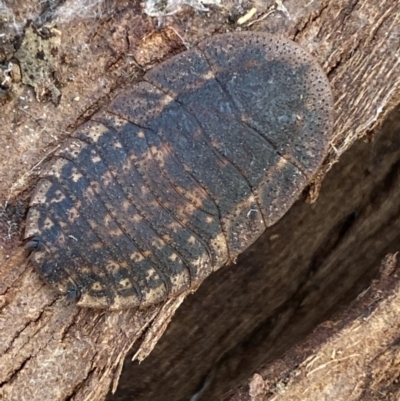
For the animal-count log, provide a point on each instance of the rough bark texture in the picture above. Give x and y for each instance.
(317, 257)
(353, 357)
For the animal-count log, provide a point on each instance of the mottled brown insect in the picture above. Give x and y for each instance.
(181, 172)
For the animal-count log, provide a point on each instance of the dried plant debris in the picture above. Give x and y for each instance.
(10, 74)
(6, 48)
(38, 56)
(181, 172)
(161, 8)
(70, 10)
(8, 23)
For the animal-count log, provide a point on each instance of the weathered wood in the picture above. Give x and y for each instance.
(351, 357)
(317, 256)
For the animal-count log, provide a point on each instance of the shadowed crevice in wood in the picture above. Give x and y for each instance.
(316, 258)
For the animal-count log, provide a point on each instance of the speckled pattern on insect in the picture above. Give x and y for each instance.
(181, 172)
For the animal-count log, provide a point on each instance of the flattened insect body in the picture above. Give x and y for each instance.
(181, 172)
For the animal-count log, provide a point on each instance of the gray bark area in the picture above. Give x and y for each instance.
(317, 257)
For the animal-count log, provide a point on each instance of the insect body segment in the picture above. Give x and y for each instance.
(181, 172)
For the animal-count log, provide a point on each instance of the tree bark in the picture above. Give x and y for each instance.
(351, 357)
(319, 256)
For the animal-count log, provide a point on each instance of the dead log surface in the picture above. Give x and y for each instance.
(352, 357)
(317, 256)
